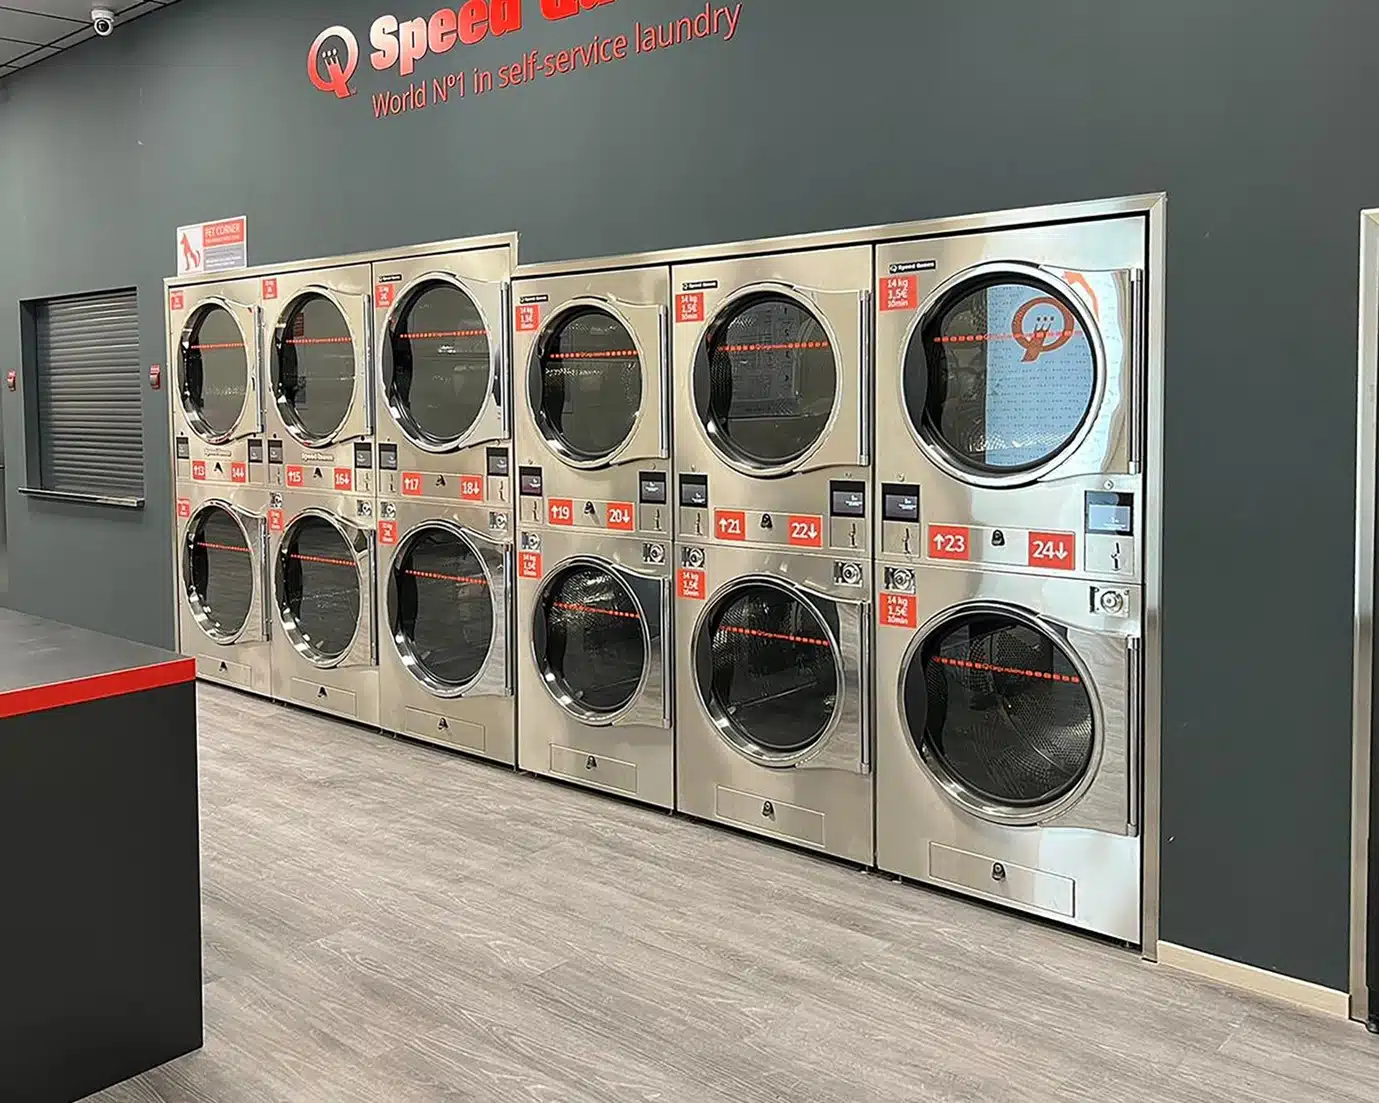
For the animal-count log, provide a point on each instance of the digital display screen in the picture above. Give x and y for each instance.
(847, 499)
(363, 456)
(498, 462)
(529, 482)
(653, 488)
(387, 457)
(899, 503)
(694, 491)
(1110, 513)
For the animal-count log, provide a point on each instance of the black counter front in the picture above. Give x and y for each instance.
(100, 918)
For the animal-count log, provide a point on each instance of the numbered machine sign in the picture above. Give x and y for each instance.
(950, 542)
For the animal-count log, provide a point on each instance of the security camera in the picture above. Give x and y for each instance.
(103, 20)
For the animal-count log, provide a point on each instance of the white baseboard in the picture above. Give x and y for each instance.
(1301, 992)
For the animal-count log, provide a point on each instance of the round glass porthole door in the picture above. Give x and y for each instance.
(319, 589)
(585, 385)
(1001, 375)
(214, 372)
(440, 609)
(765, 381)
(589, 641)
(437, 364)
(768, 671)
(313, 368)
(218, 572)
(1001, 714)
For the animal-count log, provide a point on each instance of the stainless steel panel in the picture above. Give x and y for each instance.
(1001, 881)
(436, 727)
(771, 817)
(323, 697)
(239, 675)
(594, 770)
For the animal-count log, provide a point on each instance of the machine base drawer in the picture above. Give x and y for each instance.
(1050, 892)
(223, 670)
(790, 821)
(435, 728)
(594, 769)
(340, 701)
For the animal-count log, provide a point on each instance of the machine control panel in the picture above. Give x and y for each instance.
(231, 464)
(841, 526)
(649, 514)
(488, 484)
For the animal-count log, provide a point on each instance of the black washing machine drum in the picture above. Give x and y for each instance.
(1001, 714)
(1001, 374)
(213, 372)
(218, 572)
(440, 609)
(768, 670)
(319, 589)
(313, 367)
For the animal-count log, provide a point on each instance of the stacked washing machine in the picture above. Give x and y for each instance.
(595, 521)
(773, 544)
(445, 500)
(220, 534)
(1010, 559)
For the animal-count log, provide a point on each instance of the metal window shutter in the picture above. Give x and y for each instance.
(90, 411)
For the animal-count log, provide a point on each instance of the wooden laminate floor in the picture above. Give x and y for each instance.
(389, 924)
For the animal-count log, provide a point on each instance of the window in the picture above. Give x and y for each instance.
(86, 404)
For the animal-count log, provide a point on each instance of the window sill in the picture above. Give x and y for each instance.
(112, 500)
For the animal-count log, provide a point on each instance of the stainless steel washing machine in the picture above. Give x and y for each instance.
(445, 606)
(595, 668)
(322, 570)
(773, 726)
(774, 399)
(223, 604)
(444, 379)
(1010, 409)
(1009, 740)
(214, 349)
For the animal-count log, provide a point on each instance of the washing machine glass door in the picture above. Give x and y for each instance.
(320, 589)
(1002, 374)
(766, 381)
(438, 364)
(219, 574)
(314, 374)
(441, 609)
(214, 373)
(585, 385)
(1000, 712)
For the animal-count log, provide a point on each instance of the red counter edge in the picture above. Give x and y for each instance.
(18, 702)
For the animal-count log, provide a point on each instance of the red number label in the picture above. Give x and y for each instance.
(898, 610)
(239, 472)
(620, 516)
(560, 511)
(691, 585)
(387, 532)
(528, 317)
(1055, 550)
(472, 488)
(296, 476)
(950, 542)
(899, 293)
(529, 565)
(270, 288)
(383, 295)
(176, 300)
(199, 470)
(344, 478)
(689, 307)
(411, 483)
(806, 532)
(184, 508)
(730, 524)
(275, 520)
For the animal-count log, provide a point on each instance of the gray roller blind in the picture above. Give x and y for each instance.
(90, 416)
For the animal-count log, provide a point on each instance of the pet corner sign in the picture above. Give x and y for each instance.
(219, 246)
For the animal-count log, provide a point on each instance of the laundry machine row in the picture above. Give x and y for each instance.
(844, 540)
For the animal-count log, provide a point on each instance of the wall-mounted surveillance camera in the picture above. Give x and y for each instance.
(103, 20)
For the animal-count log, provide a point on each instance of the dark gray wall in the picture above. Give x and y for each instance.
(1256, 117)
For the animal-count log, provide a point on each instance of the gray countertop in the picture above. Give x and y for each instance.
(36, 652)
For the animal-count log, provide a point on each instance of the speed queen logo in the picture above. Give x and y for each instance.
(323, 66)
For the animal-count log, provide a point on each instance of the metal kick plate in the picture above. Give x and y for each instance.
(222, 670)
(435, 728)
(340, 701)
(1050, 892)
(775, 817)
(594, 769)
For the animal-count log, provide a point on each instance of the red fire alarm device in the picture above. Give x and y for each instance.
(155, 376)
(12, 380)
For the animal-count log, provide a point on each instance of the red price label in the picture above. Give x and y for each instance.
(528, 317)
(296, 476)
(898, 610)
(529, 565)
(411, 484)
(471, 488)
(275, 520)
(176, 300)
(1053, 550)
(184, 508)
(383, 294)
(560, 511)
(387, 532)
(689, 307)
(806, 532)
(952, 542)
(344, 478)
(691, 585)
(270, 287)
(620, 516)
(730, 524)
(199, 470)
(239, 472)
(898, 293)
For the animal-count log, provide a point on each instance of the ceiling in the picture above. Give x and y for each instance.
(33, 30)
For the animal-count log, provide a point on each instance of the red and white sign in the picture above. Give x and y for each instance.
(528, 317)
(471, 488)
(689, 307)
(952, 542)
(344, 478)
(898, 610)
(184, 508)
(621, 516)
(383, 295)
(177, 300)
(239, 472)
(411, 484)
(528, 564)
(275, 520)
(387, 533)
(805, 531)
(199, 470)
(730, 524)
(691, 585)
(219, 246)
(296, 476)
(898, 293)
(269, 287)
(1053, 550)
(560, 511)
